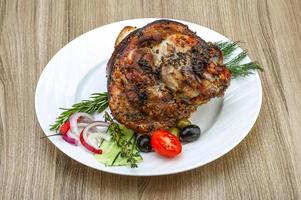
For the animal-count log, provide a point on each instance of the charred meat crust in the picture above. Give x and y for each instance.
(160, 73)
(123, 44)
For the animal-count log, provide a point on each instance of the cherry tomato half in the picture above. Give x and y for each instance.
(165, 143)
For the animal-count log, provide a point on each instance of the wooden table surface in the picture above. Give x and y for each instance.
(266, 165)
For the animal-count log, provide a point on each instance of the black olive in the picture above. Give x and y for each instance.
(144, 143)
(190, 133)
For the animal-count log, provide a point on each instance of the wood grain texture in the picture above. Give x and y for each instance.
(266, 165)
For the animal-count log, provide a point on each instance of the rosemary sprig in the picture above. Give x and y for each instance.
(127, 146)
(244, 69)
(98, 102)
(236, 65)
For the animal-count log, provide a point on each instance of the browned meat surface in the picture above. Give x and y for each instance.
(160, 73)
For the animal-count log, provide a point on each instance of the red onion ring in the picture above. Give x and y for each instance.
(87, 146)
(69, 139)
(74, 120)
(84, 136)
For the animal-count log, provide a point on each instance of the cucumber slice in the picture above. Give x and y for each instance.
(111, 152)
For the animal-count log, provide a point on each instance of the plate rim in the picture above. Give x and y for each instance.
(194, 166)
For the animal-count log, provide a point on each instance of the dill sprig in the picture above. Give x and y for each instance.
(237, 59)
(127, 146)
(236, 65)
(244, 69)
(98, 102)
(228, 48)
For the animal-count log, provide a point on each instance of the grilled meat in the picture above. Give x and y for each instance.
(161, 73)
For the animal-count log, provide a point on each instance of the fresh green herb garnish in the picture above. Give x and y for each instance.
(227, 48)
(243, 69)
(128, 148)
(235, 65)
(98, 102)
(237, 59)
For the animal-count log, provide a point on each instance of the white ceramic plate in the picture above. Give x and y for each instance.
(78, 70)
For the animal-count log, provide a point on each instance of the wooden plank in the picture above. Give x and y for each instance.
(266, 165)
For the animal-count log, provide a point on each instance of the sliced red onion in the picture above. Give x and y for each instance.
(101, 135)
(93, 125)
(92, 140)
(99, 123)
(88, 146)
(82, 125)
(74, 120)
(69, 139)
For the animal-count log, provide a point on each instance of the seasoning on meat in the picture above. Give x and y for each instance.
(161, 73)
